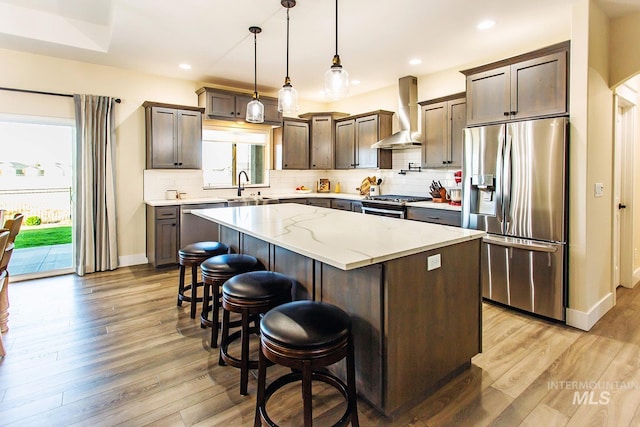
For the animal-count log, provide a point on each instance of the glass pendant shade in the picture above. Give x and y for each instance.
(287, 96)
(255, 108)
(288, 99)
(336, 79)
(336, 82)
(255, 111)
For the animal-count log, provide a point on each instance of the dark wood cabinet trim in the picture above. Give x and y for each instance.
(558, 47)
(173, 106)
(455, 96)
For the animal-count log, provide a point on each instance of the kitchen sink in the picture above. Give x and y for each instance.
(251, 201)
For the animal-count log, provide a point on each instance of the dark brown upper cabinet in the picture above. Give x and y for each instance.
(291, 144)
(354, 137)
(443, 121)
(527, 86)
(322, 138)
(226, 105)
(173, 136)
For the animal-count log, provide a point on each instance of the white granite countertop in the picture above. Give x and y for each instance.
(345, 196)
(343, 239)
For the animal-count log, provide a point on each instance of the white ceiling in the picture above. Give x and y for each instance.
(376, 39)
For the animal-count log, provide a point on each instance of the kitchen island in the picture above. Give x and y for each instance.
(412, 289)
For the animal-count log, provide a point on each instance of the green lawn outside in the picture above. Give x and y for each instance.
(30, 238)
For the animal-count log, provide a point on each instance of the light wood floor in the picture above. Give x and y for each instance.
(113, 349)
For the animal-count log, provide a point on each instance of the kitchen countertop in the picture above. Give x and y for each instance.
(339, 238)
(345, 196)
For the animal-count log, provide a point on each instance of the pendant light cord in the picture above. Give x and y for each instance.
(336, 27)
(255, 66)
(287, 43)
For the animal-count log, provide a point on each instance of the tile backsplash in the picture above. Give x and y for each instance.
(158, 181)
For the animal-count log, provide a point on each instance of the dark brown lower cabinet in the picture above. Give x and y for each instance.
(414, 329)
(163, 234)
(435, 216)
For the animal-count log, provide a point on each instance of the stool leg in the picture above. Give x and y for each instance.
(194, 290)
(181, 285)
(306, 393)
(205, 303)
(215, 316)
(244, 358)
(225, 335)
(262, 379)
(351, 383)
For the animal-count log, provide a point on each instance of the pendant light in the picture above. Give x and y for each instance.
(287, 96)
(255, 108)
(336, 79)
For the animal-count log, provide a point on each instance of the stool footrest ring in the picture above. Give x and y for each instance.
(297, 376)
(234, 361)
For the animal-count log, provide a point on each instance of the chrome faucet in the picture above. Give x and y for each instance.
(240, 187)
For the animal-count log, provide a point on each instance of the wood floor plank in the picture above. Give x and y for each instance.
(543, 415)
(550, 344)
(112, 348)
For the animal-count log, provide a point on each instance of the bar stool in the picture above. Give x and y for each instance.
(306, 336)
(215, 271)
(192, 256)
(249, 294)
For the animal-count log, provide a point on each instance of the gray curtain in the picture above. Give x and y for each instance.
(95, 213)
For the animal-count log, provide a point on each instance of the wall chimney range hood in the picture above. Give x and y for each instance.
(408, 136)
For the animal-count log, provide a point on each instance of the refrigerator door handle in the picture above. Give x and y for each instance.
(506, 180)
(500, 181)
(527, 245)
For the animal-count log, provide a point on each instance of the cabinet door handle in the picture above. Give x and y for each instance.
(506, 114)
(444, 162)
(513, 113)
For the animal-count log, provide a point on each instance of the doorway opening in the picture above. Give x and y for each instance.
(36, 178)
(626, 167)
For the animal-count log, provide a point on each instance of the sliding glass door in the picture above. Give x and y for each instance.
(36, 175)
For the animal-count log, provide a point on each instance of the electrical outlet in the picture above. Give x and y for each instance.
(433, 262)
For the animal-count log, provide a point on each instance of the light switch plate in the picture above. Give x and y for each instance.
(433, 262)
(598, 189)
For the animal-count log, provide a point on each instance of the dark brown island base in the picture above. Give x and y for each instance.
(412, 289)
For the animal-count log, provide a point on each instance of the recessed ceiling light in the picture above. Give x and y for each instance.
(485, 25)
(185, 66)
(415, 61)
(355, 82)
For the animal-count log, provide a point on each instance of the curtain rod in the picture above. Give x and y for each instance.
(38, 92)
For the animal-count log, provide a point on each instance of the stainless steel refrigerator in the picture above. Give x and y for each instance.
(515, 189)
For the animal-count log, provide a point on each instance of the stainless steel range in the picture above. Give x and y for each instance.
(391, 205)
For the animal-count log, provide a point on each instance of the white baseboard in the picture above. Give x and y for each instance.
(586, 320)
(135, 259)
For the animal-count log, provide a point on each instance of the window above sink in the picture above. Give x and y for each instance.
(228, 150)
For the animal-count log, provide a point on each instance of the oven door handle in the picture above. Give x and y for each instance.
(373, 211)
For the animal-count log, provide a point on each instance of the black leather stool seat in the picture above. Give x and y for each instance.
(203, 250)
(192, 256)
(250, 294)
(215, 271)
(259, 285)
(231, 264)
(306, 336)
(306, 324)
